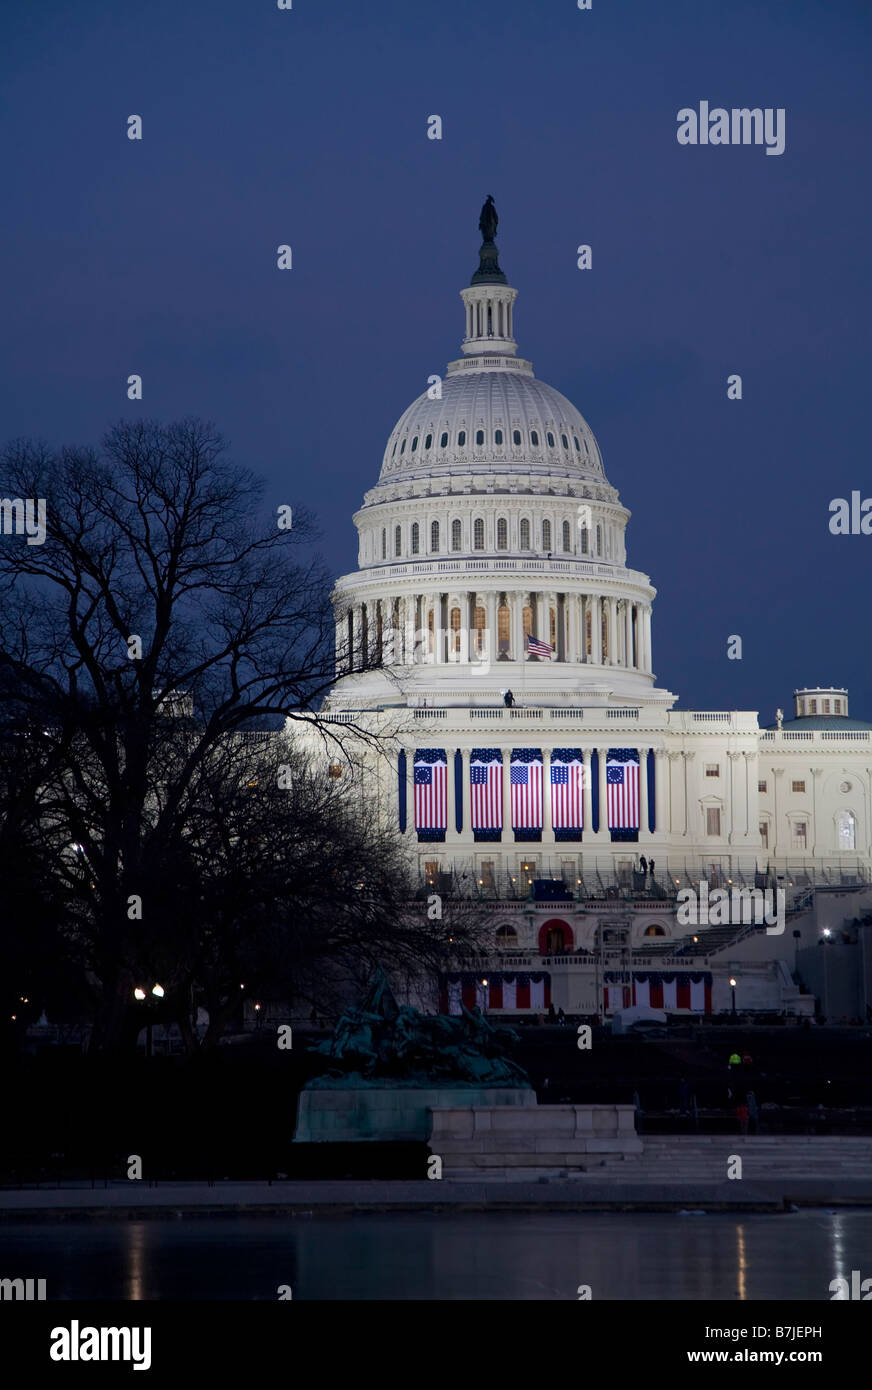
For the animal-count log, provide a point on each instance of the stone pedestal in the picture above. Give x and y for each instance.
(478, 1141)
(393, 1113)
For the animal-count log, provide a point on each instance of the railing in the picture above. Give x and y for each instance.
(485, 713)
(430, 713)
(622, 714)
(525, 713)
(568, 713)
(718, 716)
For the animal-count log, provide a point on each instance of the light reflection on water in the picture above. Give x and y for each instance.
(500, 1255)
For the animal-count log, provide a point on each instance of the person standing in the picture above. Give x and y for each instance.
(643, 863)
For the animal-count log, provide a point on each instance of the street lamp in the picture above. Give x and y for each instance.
(733, 989)
(139, 995)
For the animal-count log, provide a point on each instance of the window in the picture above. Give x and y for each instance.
(403, 447)
(800, 834)
(502, 534)
(394, 449)
(486, 878)
(712, 820)
(764, 833)
(546, 535)
(528, 872)
(461, 439)
(434, 537)
(455, 535)
(479, 619)
(479, 436)
(567, 536)
(443, 440)
(516, 438)
(564, 441)
(534, 439)
(455, 630)
(503, 629)
(825, 706)
(552, 628)
(415, 535)
(414, 444)
(384, 544)
(550, 438)
(599, 540)
(584, 540)
(797, 786)
(654, 930)
(812, 705)
(837, 707)
(845, 827)
(506, 937)
(478, 534)
(576, 443)
(712, 770)
(334, 770)
(431, 870)
(555, 941)
(428, 441)
(525, 534)
(498, 436)
(761, 786)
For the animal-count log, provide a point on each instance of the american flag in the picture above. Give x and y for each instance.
(525, 779)
(567, 783)
(486, 788)
(431, 791)
(537, 648)
(622, 788)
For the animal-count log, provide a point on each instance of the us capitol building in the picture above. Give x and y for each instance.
(497, 637)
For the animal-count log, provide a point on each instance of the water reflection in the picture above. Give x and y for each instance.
(500, 1255)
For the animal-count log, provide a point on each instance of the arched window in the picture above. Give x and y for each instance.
(384, 544)
(455, 535)
(516, 438)
(403, 447)
(550, 438)
(479, 436)
(567, 536)
(434, 537)
(564, 441)
(846, 827)
(478, 534)
(576, 443)
(479, 622)
(414, 444)
(455, 631)
(599, 540)
(503, 628)
(398, 540)
(415, 538)
(534, 439)
(502, 534)
(461, 439)
(583, 545)
(428, 441)
(498, 436)
(546, 535)
(394, 449)
(654, 930)
(443, 440)
(525, 534)
(506, 937)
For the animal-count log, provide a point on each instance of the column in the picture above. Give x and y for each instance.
(628, 634)
(561, 627)
(690, 818)
(776, 846)
(644, 830)
(816, 847)
(646, 627)
(733, 834)
(603, 796)
(493, 648)
(586, 795)
(596, 630)
(613, 631)
(516, 602)
(660, 766)
(674, 812)
(570, 604)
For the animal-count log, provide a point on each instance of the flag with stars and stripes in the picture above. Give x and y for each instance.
(567, 786)
(622, 789)
(431, 792)
(486, 791)
(537, 648)
(525, 780)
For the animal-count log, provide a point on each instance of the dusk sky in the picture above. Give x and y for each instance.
(309, 127)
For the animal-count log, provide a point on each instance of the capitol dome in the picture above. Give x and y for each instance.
(492, 420)
(492, 541)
